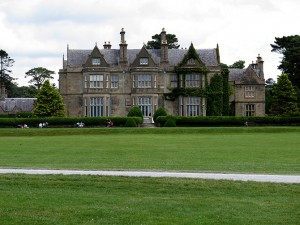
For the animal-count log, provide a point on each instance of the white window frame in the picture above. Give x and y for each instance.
(192, 80)
(114, 81)
(250, 109)
(250, 91)
(96, 106)
(145, 104)
(193, 106)
(96, 81)
(174, 81)
(96, 61)
(144, 81)
(144, 61)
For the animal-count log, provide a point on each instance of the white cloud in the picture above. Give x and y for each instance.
(36, 32)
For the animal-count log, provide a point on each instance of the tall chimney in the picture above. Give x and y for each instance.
(164, 47)
(260, 66)
(123, 49)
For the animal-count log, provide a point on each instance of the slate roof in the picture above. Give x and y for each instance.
(17, 104)
(235, 74)
(76, 57)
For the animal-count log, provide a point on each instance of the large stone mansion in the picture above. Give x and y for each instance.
(109, 82)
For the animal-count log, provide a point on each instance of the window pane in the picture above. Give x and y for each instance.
(96, 61)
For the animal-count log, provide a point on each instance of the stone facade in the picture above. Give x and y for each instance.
(248, 85)
(108, 82)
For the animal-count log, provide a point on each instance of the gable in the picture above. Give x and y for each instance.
(191, 58)
(248, 76)
(143, 59)
(96, 59)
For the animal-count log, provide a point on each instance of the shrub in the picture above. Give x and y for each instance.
(130, 123)
(170, 123)
(159, 112)
(135, 111)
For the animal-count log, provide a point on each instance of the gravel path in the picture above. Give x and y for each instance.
(216, 176)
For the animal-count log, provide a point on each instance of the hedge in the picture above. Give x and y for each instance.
(230, 121)
(65, 122)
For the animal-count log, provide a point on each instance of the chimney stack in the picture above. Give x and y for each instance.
(164, 47)
(107, 45)
(260, 66)
(123, 49)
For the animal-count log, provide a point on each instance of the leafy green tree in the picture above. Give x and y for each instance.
(159, 112)
(238, 65)
(49, 102)
(155, 43)
(268, 94)
(284, 97)
(5, 63)
(289, 47)
(135, 111)
(38, 76)
(23, 91)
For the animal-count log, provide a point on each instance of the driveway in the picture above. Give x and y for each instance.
(216, 176)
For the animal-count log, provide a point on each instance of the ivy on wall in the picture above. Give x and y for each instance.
(215, 96)
(216, 92)
(226, 92)
(195, 92)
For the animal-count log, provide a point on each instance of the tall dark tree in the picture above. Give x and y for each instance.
(269, 95)
(289, 47)
(49, 102)
(5, 63)
(284, 97)
(38, 76)
(238, 65)
(155, 43)
(24, 91)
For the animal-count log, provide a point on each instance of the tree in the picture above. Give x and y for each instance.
(238, 65)
(23, 92)
(49, 102)
(289, 47)
(156, 42)
(5, 62)
(284, 97)
(38, 76)
(135, 111)
(268, 94)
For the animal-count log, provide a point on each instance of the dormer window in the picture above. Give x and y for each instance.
(96, 61)
(191, 62)
(144, 61)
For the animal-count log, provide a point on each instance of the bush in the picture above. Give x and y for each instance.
(159, 112)
(130, 123)
(135, 111)
(170, 123)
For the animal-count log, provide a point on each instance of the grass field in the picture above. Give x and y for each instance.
(244, 150)
(68, 200)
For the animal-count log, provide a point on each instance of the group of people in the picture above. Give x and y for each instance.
(80, 124)
(109, 123)
(43, 125)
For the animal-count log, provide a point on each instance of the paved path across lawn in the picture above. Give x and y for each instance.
(216, 176)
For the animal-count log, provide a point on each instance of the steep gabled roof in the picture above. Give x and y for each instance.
(78, 57)
(245, 76)
(17, 104)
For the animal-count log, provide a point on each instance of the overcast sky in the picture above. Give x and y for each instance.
(35, 33)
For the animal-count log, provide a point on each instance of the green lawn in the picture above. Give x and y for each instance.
(272, 150)
(69, 200)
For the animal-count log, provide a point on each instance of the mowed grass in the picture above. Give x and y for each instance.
(69, 200)
(271, 150)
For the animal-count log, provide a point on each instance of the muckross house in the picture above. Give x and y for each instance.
(109, 82)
